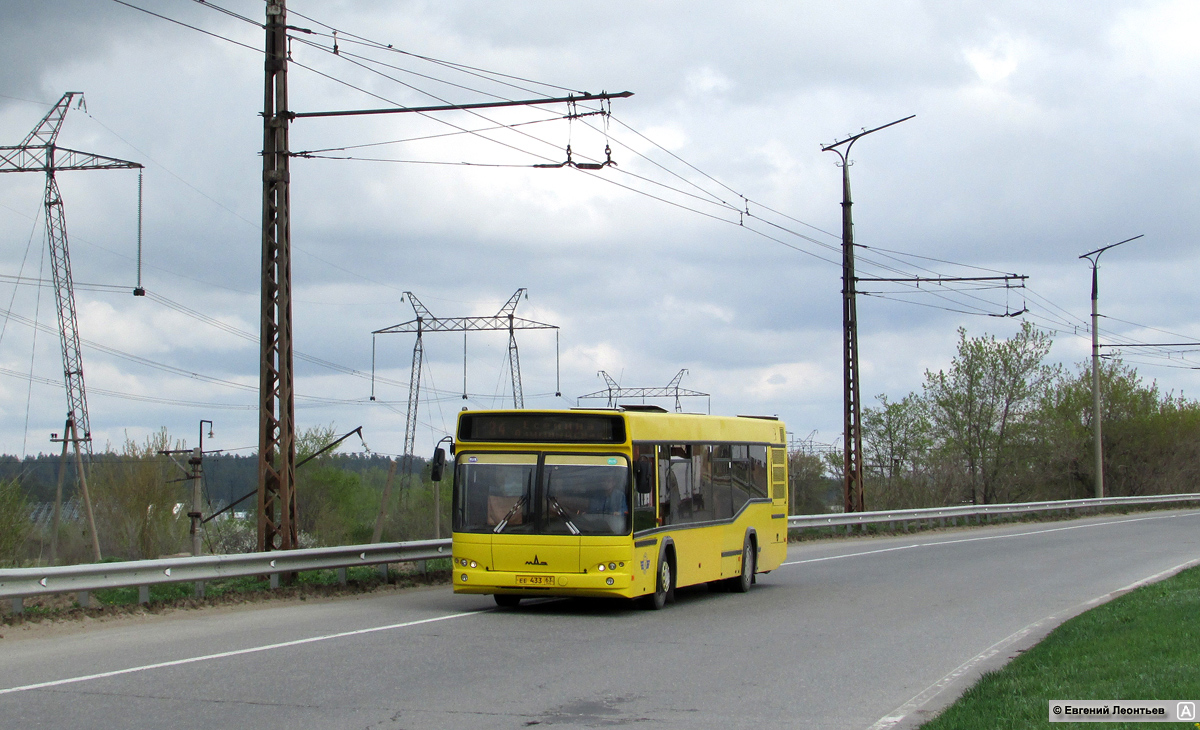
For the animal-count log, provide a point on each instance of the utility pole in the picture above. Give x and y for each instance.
(852, 481)
(71, 435)
(196, 461)
(1093, 257)
(58, 493)
(277, 509)
(277, 513)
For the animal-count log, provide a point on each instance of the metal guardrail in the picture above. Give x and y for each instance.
(978, 510)
(19, 583)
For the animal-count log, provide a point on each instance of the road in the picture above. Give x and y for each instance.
(840, 637)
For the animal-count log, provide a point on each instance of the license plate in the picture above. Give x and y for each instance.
(535, 580)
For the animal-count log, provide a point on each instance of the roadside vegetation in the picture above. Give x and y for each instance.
(141, 499)
(998, 425)
(1140, 646)
(1001, 425)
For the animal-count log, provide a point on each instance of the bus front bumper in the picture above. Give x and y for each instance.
(615, 583)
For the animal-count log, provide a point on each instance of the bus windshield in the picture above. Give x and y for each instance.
(553, 495)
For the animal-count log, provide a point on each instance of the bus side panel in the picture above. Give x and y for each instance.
(697, 555)
(774, 541)
(731, 546)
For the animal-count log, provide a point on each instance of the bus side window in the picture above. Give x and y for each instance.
(643, 501)
(681, 489)
(664, 495)
(758, 471)
(722, 486)
(703, 503)
(741, 476)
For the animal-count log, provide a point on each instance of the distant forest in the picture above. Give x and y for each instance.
(226, 477)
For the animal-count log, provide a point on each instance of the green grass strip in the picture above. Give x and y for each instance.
(1144, 645)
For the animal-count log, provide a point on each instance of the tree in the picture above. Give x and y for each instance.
(897, 440)
(140, 500)
(896, 436)
(809, 485)
(979, 409)
(1151, 439)
(14, 521)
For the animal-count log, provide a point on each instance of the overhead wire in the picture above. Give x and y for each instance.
(32, 351)
(499, 78)
(464, 130)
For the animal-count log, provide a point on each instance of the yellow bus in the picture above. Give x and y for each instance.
(632, 502)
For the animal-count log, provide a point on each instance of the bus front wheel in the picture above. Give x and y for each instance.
(664, 585)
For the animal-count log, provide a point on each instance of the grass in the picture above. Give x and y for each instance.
(312, 583)
(1144, 645)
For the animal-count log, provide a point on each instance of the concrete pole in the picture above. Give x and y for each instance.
(1096, 432)
(195, 461)
(62, 472)
(83, 488)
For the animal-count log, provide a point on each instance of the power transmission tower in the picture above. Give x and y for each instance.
(613, 391)
(40, 153)
(503, 320)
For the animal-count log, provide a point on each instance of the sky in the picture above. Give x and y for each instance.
(1041, 131)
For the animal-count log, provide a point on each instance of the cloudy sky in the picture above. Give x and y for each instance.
(1042, 130)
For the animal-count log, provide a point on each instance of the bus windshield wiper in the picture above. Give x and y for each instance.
(563, 514)
(504, 522)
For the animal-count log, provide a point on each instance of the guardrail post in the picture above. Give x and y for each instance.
(199, 589)
(383, 572)
(18, 605)
(143, 595)
(274, 581)
(943, 522)
(83, 598)
(341, 576)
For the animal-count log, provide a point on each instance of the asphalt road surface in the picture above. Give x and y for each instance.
(853, 633)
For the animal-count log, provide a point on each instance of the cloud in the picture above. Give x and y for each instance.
(1041, 132)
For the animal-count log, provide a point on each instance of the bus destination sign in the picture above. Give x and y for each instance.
(542, 428)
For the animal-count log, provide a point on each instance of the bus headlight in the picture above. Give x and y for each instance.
(601, 567)
(474, 564)
(462, 562)
(612, 566)
(464, 577)
(608, 581)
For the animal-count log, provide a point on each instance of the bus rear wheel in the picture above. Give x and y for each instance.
(507, 601)
(742, 583)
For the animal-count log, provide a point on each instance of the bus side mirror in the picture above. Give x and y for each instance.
(438, 465)
(641, 477)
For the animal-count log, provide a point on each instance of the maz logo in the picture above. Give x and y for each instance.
(535, 561)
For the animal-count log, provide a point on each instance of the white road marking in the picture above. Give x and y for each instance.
(987, 537)
(927, 694)
(238, 652)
